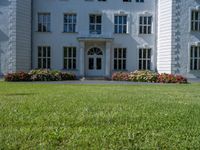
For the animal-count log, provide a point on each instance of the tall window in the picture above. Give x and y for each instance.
(120, 58)
(144, 59)
(195, 58)
(44, 22)
(145, 26)
(195, 21)
(70, 23)
(95, 24)
(120, 24)
(70, 58)
(44, 57)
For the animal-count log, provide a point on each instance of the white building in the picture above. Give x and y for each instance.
(99, 37)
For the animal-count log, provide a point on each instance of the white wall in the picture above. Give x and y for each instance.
(57, 39)
(164, 36)
(183, 37)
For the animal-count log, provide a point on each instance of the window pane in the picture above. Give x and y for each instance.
(48, 63)
(115, 64)
(39, 63)
(98, 63)
(74, 63)
(65, 63)
(124, 53)
(124, 64)
(140, 64)
(91, 64)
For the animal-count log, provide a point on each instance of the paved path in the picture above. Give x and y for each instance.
(101, 82)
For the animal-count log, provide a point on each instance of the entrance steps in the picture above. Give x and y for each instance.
(94, 78)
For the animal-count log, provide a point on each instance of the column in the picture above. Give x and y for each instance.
(82, 59)
(108, 59)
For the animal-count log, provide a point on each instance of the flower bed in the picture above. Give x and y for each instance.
(148, 76)
(40, 75)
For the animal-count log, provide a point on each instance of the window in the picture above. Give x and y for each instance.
(195, 21)
(127, 0)
(70, 23)
(120, 58)
(44, 57)
(44, 22)
(195, 58)
(69, 58)
(145, 26)
(95, 24)
(120, 24)
(139, 1)
(144, 59)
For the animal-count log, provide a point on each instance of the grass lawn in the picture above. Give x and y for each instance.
(41, 116)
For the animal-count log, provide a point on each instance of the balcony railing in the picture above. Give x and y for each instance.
(95, 35)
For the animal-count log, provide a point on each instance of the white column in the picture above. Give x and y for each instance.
(108, 59)
(82, 59)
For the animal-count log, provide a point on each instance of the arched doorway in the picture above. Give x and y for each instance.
(95, 61)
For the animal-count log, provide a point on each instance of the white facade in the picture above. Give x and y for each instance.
(166, 47)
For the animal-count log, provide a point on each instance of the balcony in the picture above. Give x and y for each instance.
(95, 36)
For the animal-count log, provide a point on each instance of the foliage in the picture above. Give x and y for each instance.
(18, 76)
(170, 78)
(148, 76)
(120, 76)
(143, 76)
(40, 75)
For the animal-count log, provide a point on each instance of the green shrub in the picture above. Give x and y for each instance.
(143, 76)
(40, 75)
(148, 76)
(18, 76)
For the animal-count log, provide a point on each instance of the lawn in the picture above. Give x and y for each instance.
(41, 116)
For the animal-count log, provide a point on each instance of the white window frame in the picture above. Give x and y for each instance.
(146, 59)
(194, 21)
(118, 59)
(95, 24)
(74, 29)
(42, 57)
(145, 15)
(45, 22)
(192, 57)
(123, 24)
(70, 58)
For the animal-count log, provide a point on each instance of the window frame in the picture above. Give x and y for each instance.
(118, 25)
(47, 23)
(74, 30)
(152, 21)
(42, 57)
(122, 59)
(146, 59)
(70, 58)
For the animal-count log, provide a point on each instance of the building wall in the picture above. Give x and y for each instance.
(23, 35)
(4, 34)
(164, 51)
(183, 37)
(15, 35)
(57, 39)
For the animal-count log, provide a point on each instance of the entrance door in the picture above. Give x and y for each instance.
(95, 62)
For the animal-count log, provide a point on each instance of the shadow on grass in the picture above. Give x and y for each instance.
(18, 94)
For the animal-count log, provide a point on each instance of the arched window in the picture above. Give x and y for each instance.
(95, 51)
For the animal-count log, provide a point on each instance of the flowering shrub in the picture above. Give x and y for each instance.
(170, 78)
(143, 76)
(40, 75)
(18, 76)
(121, 76)
(148, 76)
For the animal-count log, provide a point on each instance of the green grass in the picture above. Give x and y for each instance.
(39, 116)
